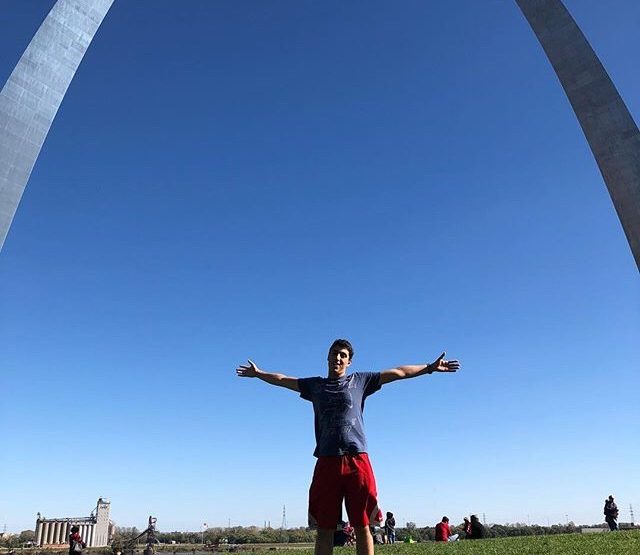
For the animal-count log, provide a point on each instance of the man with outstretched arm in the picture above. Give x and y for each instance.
(343, 470)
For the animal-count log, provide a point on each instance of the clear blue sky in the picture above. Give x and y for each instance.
(231, 179)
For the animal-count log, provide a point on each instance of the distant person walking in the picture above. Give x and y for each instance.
(390, 528)
(478, 531)
(343, 470)
(76, 545)
(611, 513)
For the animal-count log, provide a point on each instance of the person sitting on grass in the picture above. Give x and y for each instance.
(478, 531)
(443, 531)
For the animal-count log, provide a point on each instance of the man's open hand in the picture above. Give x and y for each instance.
(248, 370)
(442, 365)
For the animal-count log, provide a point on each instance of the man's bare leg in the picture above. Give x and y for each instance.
(324, 541)
(364, 541)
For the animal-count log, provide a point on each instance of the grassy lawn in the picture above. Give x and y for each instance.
(618, 543)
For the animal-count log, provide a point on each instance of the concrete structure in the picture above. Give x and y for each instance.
(34, 91)
(31, 97)
(96, 529)
(607, 124)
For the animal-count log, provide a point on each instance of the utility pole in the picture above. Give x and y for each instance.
(284, 523)
(631, 511)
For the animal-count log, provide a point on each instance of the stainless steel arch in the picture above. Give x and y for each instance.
(607, 124)
(31, 97)
(34, 91)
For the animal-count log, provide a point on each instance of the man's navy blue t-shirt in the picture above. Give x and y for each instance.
(337, 406)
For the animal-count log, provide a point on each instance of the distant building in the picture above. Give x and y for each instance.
(95, 529)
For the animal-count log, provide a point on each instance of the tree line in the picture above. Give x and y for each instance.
(26, 537)
(253, 534)
(215, 536)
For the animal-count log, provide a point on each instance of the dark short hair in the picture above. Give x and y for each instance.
(445, 519)
(343, 344)
(75, 529)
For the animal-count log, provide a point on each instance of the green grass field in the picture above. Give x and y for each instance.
(618, 543)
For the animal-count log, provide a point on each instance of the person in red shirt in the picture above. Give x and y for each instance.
(443, 531)
(76, 545)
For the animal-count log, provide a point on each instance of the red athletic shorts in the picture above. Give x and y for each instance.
(349, 477)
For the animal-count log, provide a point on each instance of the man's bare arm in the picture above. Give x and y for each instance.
(414, 370)
(252, 371)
